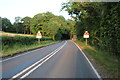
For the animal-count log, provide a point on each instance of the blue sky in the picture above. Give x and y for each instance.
(13, 8)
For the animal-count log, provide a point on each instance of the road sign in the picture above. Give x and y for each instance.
(39, 35)
(86, 34)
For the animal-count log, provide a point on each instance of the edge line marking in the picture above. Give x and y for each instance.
(88, 61)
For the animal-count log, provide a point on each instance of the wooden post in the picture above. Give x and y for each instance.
(86, 35)
(39, 36)
(86, 41)
(38, 40)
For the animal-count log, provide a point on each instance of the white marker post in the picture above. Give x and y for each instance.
(86, 35)
(39, 36)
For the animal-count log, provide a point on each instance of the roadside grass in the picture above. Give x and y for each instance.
(12, 43)
(16, 48)
(106, 64)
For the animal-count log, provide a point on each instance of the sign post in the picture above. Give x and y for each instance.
(39, 36)
(86, 35)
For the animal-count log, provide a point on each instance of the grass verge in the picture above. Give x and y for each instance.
(16, 48)
(106, 65)
(14, 45)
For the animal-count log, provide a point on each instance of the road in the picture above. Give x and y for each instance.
(60, 60)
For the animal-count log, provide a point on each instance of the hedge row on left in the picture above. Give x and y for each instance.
(20, 40)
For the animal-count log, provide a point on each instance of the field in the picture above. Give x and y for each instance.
(2, 33)
(16, 43)
(107, 65)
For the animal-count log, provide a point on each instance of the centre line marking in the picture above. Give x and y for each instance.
(41, 60)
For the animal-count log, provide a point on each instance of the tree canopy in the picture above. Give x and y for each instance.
(100, 19)
(49, 25)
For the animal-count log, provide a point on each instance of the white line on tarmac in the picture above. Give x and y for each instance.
(50, 55)
(20, 55)
(88, 61)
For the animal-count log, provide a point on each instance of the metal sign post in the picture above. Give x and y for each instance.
(86, 35)
(39, 36)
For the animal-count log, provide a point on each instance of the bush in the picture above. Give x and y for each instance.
(20, 40)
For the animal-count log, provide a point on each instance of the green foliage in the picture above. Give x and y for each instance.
(52, 29)
(107, 64)
(26, 24)
(20, 40)
(49, 25)
(6, 25)
(71, 27)
(101, 20)
(19, 43)
(18, 28)
(40, 22)
(18, 25)
(62, 34)
(12, 45)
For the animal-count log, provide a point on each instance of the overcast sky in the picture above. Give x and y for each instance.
(13, 8)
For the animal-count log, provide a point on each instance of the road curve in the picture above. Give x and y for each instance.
(67, 62)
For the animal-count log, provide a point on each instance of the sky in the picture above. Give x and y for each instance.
(22, 8)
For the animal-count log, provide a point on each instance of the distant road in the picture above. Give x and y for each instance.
(60, 60)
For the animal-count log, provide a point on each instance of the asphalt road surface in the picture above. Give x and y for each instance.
(60, 60)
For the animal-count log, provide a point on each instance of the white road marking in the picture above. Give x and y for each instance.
(88, 61)
(20, 55)
(29, 67)
(46, 58)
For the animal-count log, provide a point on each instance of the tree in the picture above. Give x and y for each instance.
(6, 25)
(57, 28)
(100, 19)
(71, 25)
(26, 24)
(53, 28)
(18, 25)
(39, 22)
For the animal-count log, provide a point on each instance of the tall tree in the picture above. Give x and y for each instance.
(52, 29)
(39, 22)
(71, 25)
(100, 19)
(6, 25)
(18, 25)
(26, 24)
